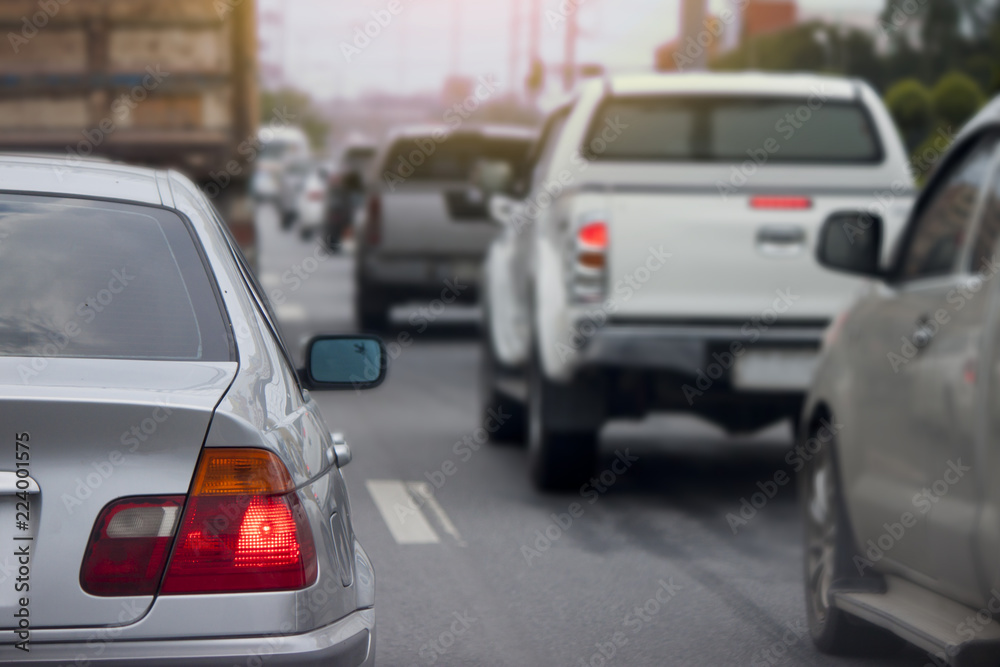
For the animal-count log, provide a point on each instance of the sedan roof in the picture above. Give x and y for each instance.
(73, 176)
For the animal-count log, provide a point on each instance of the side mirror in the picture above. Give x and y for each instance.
(344, 362)
(502, 209)
(851, 241)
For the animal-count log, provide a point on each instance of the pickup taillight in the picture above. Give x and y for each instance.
(588, 257)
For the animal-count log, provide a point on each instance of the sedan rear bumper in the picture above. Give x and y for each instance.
(350, 642)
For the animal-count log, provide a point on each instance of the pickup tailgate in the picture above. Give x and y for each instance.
(731, 257)
(440, 219)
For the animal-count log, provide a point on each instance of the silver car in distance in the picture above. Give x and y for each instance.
(169, 492)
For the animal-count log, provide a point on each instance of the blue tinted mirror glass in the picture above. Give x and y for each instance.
(346, 361)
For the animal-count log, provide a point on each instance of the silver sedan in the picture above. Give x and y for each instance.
(169, 492)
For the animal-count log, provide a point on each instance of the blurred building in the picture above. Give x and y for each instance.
(717, 34)
(762, 17)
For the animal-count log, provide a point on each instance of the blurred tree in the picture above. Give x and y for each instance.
(798, 48)
(909, 103)
(928, 38)
(814, 46)
(299, 107)
(955, 99)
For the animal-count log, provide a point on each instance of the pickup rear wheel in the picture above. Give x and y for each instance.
(560, 458)
(829, 552)
(371, 307)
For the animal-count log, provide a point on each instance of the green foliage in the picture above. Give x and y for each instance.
(810, 47)
(299, 108)
(909, 103)
(956, 98)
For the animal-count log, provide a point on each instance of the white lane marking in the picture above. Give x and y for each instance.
(400, 512)
(425, 496)
(291, 312)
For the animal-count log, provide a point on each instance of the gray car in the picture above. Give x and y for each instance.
(900, 447)
(425, 229)
(169, 492)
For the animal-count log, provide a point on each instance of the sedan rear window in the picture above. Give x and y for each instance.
(729, 129)
(102, 280)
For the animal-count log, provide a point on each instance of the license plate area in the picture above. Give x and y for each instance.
(775, 370)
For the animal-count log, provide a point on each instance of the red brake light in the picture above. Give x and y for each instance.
(593, 235)
(788, 203)
(129, 546)
(373, 226)
(244, 528)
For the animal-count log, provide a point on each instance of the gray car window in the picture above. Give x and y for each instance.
(946, 214)
(984, 248)
(104, 280)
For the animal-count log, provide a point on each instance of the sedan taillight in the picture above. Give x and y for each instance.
(244, 528)
(129, 546)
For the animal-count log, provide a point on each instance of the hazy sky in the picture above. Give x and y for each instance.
(415, 50)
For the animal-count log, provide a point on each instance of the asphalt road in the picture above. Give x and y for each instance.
(643, 569)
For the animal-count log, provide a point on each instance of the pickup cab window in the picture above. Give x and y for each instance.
(686, 128)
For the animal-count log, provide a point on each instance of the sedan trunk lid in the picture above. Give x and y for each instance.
(93, 430)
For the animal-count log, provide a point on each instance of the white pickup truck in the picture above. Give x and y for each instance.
(660, 254)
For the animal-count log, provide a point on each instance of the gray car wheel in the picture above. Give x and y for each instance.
(829, 551)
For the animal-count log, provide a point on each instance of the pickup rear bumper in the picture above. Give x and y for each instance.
(686, 349)
(646, 368)
(451, 279)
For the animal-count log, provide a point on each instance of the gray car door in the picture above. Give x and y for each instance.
(986, 425)
(946, 370)
(906, 403)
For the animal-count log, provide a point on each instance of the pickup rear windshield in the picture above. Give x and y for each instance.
(424, 159)
(97, 279)
(727, 129)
